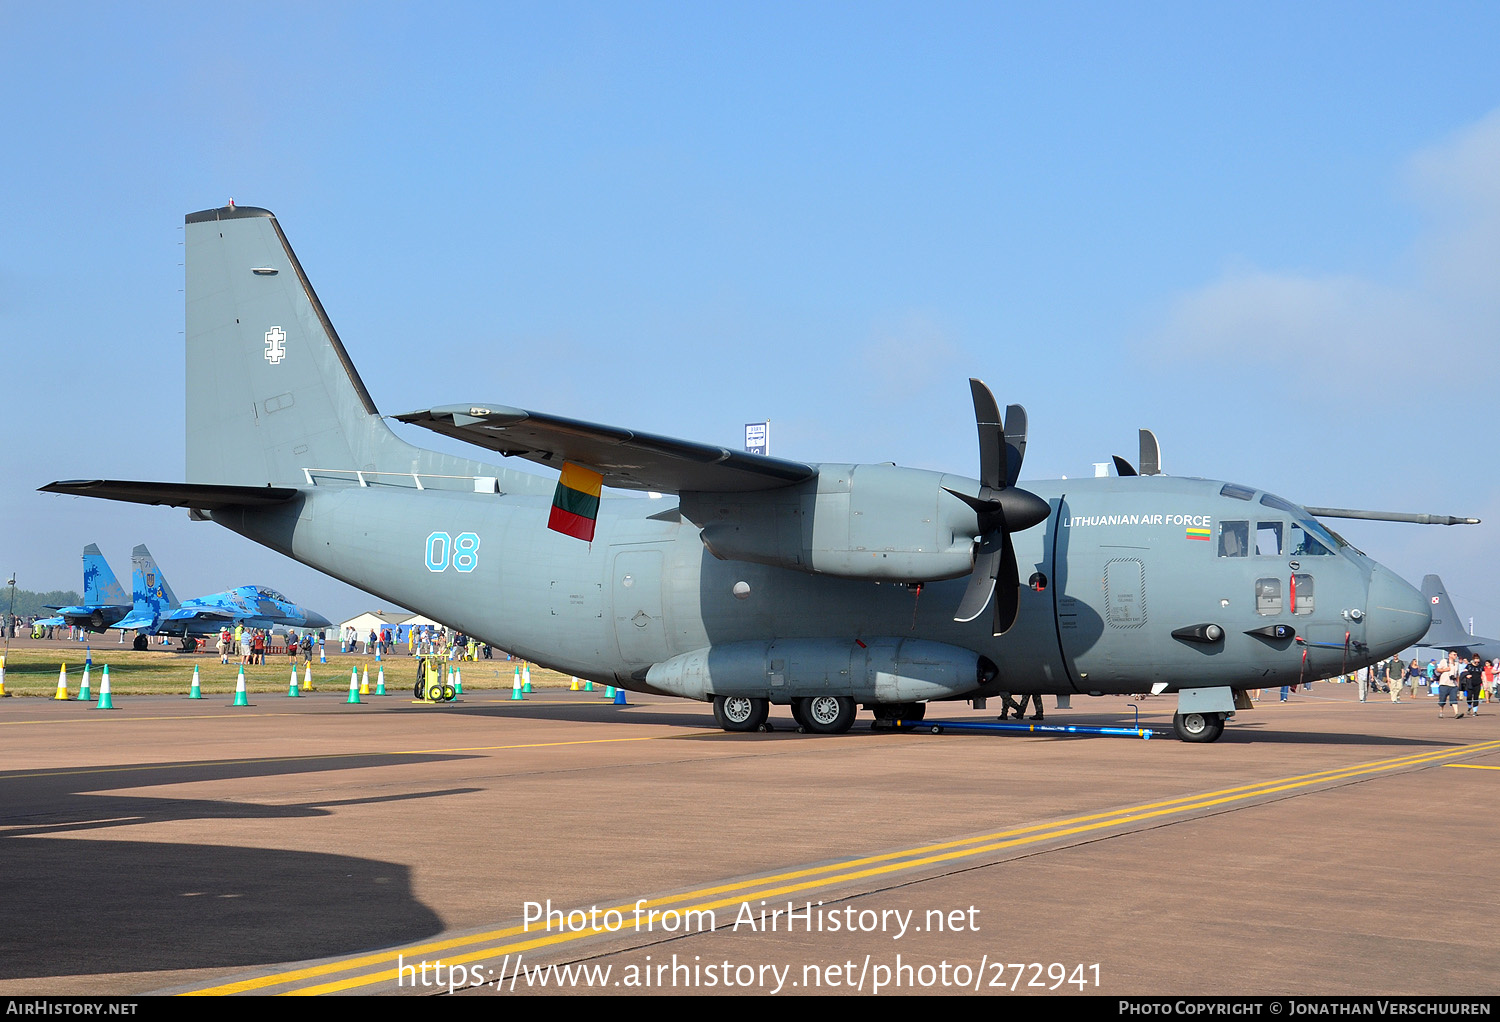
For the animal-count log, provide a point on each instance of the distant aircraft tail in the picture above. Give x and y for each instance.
(1446, 631)
(153, 597)
(100, 587)
(272, 396)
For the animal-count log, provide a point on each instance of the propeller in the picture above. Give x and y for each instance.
(1002, 508)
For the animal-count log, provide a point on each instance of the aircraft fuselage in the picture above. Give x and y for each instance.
(1108, 577)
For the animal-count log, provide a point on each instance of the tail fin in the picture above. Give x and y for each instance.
(1446, 632)
(100, 587)
(272, 395)
(153, 597)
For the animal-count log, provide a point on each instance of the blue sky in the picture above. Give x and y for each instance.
(1270, 232)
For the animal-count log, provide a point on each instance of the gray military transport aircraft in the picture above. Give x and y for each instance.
(766, 581)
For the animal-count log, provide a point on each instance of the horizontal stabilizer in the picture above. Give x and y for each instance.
(204, 496)
(626, 458)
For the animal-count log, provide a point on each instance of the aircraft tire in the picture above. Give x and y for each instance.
(741, 713)
(829, 715)
(798, 715)
(140, 643)
(1198, 727)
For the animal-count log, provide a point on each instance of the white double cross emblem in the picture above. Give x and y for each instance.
(275, 346)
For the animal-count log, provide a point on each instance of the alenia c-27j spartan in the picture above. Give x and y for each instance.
(825, 587)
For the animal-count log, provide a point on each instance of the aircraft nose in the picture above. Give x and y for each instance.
(1397, 615)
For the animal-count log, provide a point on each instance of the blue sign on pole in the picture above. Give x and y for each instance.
(758, 437)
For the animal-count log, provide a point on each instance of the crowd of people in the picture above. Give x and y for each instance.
(1460, 682)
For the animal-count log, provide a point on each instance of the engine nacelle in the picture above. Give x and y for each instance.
(878, 670)
(876, 522)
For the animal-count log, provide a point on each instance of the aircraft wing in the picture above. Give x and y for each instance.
(625, 457)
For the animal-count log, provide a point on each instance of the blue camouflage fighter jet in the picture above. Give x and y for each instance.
(104, 600)
(157, 612)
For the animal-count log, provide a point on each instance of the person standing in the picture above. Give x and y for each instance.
(1394, 675)
(1447, 682)
(1471, 680)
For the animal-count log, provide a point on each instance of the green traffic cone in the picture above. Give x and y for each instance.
(292, 690)
(105, 703)
(84, 694)
(241, 698)
(196, 690)
(353, 699)
(380, 680)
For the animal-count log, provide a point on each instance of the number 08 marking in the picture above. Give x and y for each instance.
(462, 552)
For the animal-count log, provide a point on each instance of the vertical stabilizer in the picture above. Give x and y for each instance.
(271, 393)
(153, 597)
(1446, 631)
(100, 587)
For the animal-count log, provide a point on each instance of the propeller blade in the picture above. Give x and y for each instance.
(1150, 454)
(1007, 589)
(988, 563)
(987, 418)
(1123, 467)
(1015, 442)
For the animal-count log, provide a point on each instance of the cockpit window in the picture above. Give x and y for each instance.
(1234, 539)
(1237, 491)
(1331, 540)
(1268, 538)
(1305, 544)
(1271, 500)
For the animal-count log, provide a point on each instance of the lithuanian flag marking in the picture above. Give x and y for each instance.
(575, 504)
(1195, 533)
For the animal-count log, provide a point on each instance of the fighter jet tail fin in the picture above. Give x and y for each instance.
(153, 597)
(100, 587)
(272, 396)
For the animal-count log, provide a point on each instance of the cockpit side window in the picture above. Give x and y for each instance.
(1302, 594)
(1305, 544)
(1234, 539)
(1268, 596)
(1268, 538)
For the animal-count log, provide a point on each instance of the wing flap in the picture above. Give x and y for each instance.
(627, 459)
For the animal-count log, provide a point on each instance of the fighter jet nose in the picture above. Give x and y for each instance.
(1397, 615)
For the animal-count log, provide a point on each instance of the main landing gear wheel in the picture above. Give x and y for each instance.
(798, 715)
(741, 713)
(1198, 727)
(828, 715)
(140, 643)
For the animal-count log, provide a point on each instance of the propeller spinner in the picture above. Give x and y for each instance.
(1002, 508)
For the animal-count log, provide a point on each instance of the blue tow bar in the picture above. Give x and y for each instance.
(937, 727)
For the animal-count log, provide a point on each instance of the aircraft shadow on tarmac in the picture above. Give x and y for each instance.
(88, 907)
(701, 727)
(84, 906)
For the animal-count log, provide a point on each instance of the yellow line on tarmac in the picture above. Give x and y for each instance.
(1471, 766)
(823, 876)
